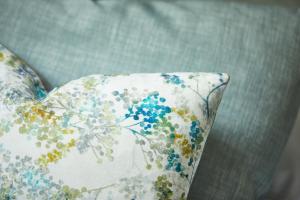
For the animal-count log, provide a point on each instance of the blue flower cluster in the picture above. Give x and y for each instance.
(195, 132)
(14, 94)
(174, 79)
(35, 180)
(23, 71)
(149, 111)
(174, 162)
(40, 92)
(191, 160)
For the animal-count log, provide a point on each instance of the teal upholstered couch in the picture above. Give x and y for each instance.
(257, 45)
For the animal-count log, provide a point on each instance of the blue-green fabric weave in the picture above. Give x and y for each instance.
(258, 46)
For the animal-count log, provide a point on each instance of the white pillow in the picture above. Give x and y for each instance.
(137, 136)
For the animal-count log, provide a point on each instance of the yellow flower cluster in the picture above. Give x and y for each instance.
(37, 112)
(56, 154)
(45, 125)
(185, 114)
(182, 140)
(1, 56)
(186, 148)
(89, 83)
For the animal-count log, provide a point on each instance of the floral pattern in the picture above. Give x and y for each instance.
(137, 136)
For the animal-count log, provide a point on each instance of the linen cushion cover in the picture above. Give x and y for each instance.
(257, 45)
(137, 136)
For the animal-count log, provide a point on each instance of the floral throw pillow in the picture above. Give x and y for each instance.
(133, 137)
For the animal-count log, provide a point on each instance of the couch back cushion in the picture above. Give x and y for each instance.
(257, 45)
